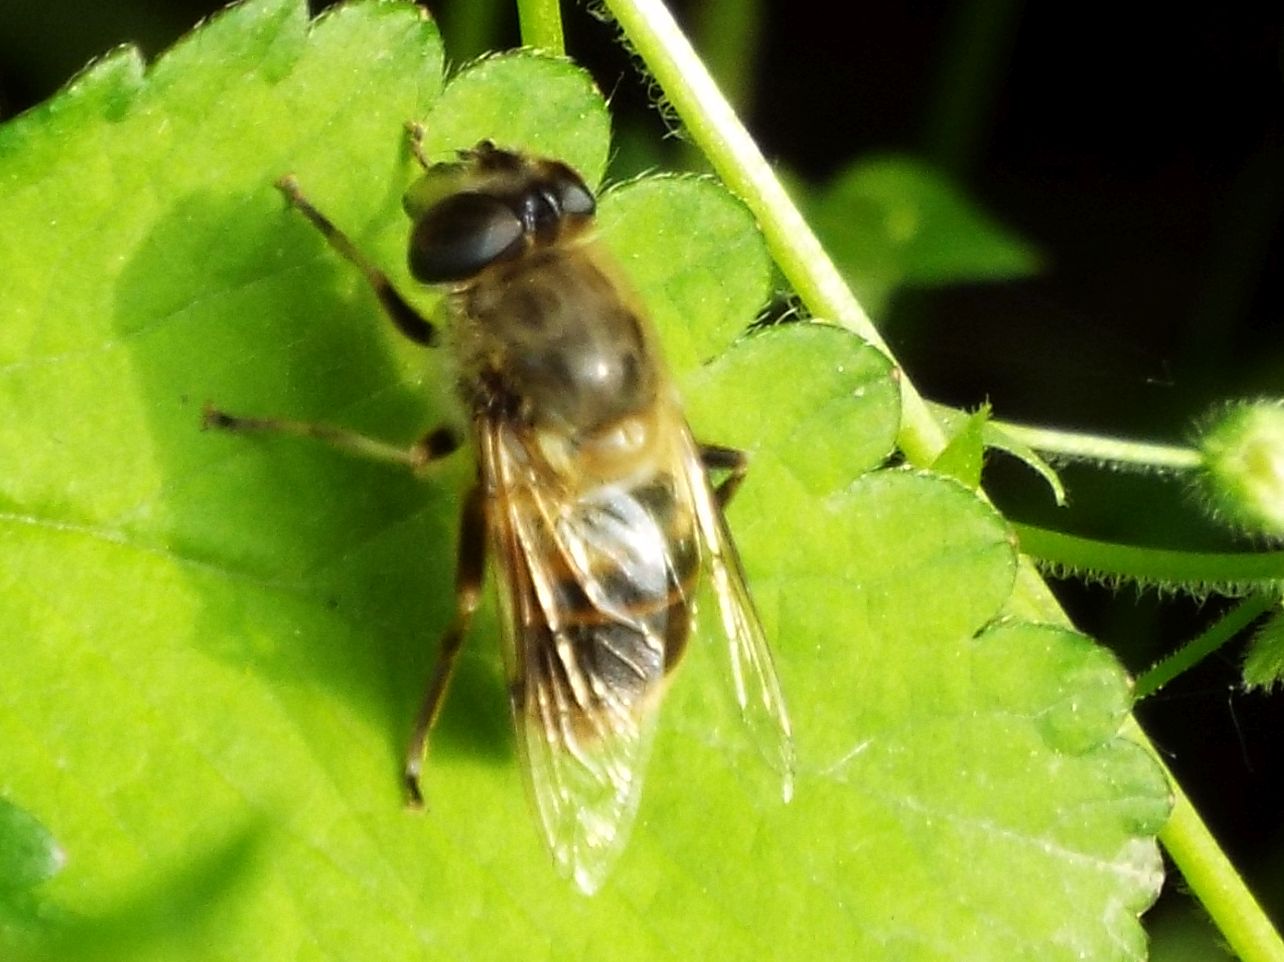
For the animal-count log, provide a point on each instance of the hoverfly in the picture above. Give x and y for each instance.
(591, 493)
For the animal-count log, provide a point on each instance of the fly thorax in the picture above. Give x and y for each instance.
(582, 385)
(571, 349)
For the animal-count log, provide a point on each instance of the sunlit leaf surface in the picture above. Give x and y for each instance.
(214, 645)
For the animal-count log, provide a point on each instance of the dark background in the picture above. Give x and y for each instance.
(1141, 149)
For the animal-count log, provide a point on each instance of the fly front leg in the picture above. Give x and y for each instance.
(406, 319)
(469, 572)
(715, 457)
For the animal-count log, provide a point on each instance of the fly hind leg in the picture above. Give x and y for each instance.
(470, 566)
(469, 572)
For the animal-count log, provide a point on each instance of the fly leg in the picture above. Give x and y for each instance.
(718, 458)
(410, 322)
(406, 319)
(469, 571)
(470, 565)
(434, 445)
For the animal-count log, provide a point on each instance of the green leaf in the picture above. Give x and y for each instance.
(832, 402)
(1002, 440)
(1264, 662)
(720, 273)
(895, 221)
(492, 99)
(999, 437)
(29, 855)
(965, 453)
(217, 643)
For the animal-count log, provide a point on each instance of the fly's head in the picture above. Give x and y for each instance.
(488, 207)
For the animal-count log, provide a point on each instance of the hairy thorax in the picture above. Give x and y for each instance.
(552, 335)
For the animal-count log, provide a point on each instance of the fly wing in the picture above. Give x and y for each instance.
(753, 672)
(595, 596)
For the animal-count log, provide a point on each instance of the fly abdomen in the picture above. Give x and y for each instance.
(621, 583)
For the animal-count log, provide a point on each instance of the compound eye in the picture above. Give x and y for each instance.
(573, 197)
(460, 236)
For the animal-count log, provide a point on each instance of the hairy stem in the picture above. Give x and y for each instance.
(1196, 571)
(1091, 447)
(1206, 642)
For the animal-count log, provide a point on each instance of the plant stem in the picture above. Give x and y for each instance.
(735, 156)
(1209, 874)
(541, 25)
(469, 31)
(1092, 447)
(977, 47)
(1206, 642)
(1196, 571)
